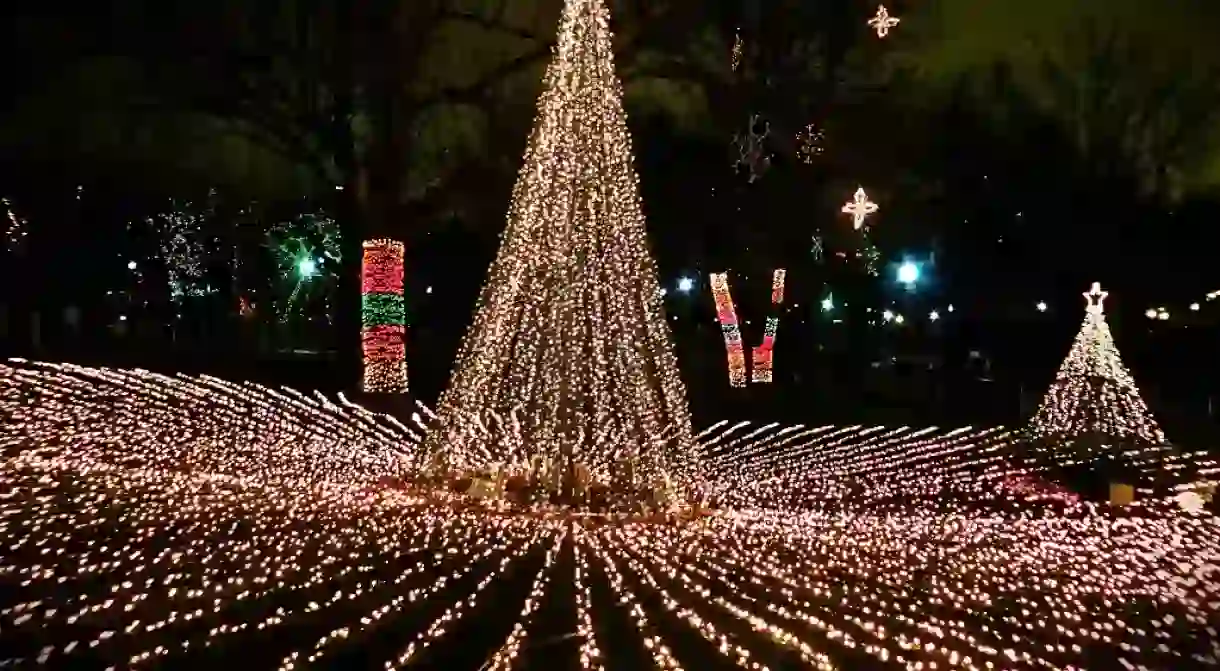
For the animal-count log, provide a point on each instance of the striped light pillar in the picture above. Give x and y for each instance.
(383, 318)
(727, 316)
(765, 353)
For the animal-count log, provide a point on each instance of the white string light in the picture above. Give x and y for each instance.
(1093, 393)
(569, 332)
(173, 521)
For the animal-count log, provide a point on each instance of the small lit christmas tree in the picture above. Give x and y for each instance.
(1093, 404)
(569, 360)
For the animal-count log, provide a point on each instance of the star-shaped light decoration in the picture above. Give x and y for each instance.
(882, 22)
(859, 208)
(1094, 297)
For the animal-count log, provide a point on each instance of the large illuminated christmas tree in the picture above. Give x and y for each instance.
(1093, 404)
(568, 362)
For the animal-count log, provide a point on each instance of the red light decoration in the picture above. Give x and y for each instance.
(727, 316)
(383, 317)
(383, 267)
(764, 353)
(385, 343)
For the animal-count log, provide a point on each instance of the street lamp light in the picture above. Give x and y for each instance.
(908, 273)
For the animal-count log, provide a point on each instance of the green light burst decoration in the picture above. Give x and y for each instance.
(308, 257)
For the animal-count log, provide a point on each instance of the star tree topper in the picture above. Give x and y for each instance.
(859, 208)
(882, 22)
(1094, 297)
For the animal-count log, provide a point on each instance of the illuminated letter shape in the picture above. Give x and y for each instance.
(727, 315)
(764, 353)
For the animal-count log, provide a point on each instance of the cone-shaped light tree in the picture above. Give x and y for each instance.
(1093, 394)
(569, 359)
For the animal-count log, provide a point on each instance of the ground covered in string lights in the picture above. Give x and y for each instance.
(190, 523)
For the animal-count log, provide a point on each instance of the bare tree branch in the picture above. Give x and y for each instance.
(498, 24)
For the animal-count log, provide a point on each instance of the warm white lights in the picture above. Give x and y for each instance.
(15, 228)
(569, 359)
(882, 21)
(860, 208)
(175, 522)
(738, 50)
(1095, 299)
(1093, 394)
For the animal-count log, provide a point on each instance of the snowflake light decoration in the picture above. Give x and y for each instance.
(809, 143)
(183, 249)
(15, 228)
(752, 155)
(871, 256)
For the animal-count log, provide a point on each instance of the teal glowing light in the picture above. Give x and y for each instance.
(307, 267)
(908, 273)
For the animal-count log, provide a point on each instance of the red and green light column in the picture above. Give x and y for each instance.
(383, 318)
